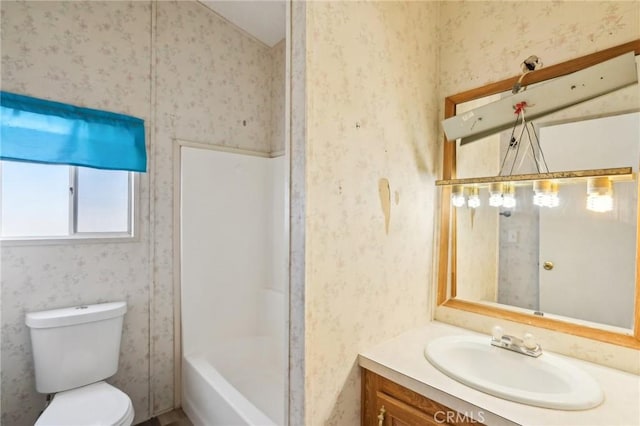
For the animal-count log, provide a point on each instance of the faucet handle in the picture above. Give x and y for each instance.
(529, 341)
(497, 332)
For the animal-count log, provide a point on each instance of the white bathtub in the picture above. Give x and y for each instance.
(237, 383)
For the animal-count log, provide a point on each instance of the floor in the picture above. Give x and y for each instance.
(173, 418)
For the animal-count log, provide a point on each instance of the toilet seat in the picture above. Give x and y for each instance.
(97, 404)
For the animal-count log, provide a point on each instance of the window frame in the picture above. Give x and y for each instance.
(75, 237)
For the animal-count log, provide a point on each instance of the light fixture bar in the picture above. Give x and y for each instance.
(618, 173)
(544, 99)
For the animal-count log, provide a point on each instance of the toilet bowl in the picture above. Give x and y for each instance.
(74, 350)
(98, 404)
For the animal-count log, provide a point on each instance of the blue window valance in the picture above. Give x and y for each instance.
(42, 131)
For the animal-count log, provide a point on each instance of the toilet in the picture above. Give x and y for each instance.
(74, 350)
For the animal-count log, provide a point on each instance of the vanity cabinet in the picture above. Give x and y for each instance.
(385, 403)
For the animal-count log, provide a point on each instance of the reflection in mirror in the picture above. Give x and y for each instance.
(567, 262)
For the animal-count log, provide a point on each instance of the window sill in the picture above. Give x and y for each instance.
(69, 240)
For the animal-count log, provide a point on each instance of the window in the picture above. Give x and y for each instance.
(67, 171)
(41, 201)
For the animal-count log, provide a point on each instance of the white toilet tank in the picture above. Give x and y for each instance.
(75, 346)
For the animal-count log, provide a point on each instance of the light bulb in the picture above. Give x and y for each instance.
(539, 199)
(474, 201)
(457, 196)
(546, 193)
(599, 194)
(495, 200)
(474, 198)
(495, 194)
(457, 200)
(509, 196)
(599, 203)
(546, 200)
(508, 201)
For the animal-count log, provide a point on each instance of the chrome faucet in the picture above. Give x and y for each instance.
(525, 346)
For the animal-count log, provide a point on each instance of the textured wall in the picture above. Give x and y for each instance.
(208, 77)
(278, 87)
(471, 56)
(371, 115)
(97, 55)
(296, 133)
(557, 31)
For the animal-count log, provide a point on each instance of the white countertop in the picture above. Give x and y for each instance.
(402, 360)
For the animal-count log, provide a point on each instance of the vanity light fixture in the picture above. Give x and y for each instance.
(545, 186)
(545, 193)
(599, 194)
(474, 197)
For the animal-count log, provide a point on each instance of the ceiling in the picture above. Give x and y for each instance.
(265, 20)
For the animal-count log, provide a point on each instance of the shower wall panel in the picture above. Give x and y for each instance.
(229, 247)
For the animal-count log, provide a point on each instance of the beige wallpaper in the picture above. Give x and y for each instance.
(210, 83)
(369, 88)
(211, 87)
(278, 86)
(95, 55)
(295, 131)
(371, 115)
(471, 56)
(557, 31)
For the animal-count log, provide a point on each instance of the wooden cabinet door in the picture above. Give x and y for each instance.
(397, 413)
(385, 403)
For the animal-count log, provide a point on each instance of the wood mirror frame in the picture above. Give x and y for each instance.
(447, 239)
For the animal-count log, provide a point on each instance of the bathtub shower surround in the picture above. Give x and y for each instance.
(232, 284)
(228, 387)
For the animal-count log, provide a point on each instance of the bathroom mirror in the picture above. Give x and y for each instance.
(565, 268)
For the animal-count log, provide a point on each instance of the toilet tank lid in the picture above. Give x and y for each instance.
(75, 315)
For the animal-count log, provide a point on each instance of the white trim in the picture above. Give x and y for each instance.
(221, 148)
(72, 226)
(177, 272)
(0, 195)
(134, 205)
(93, 238)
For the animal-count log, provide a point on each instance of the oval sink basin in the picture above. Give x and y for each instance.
(547, 381)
